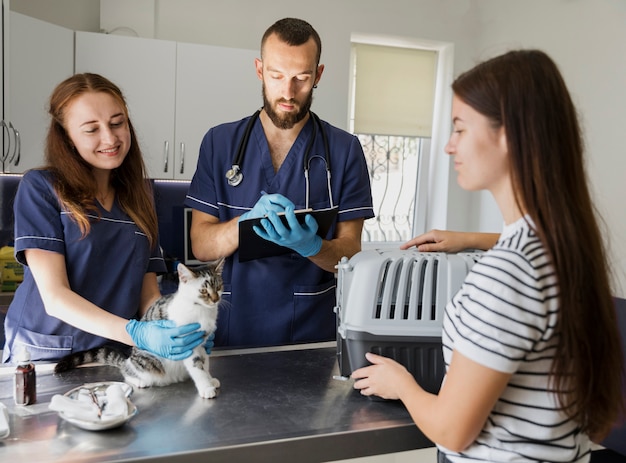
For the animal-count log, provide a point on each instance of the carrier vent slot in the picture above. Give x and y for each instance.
(391, 291)
(382, 282)
(396, 298)
(426, 279)
(434, 286)
(407, 293)
(421, 275)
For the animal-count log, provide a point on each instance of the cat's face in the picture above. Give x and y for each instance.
(205, 280)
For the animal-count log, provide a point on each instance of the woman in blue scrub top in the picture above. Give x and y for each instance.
(288, 298)
(86, 232)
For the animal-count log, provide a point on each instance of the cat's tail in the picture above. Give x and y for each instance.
(104, 355)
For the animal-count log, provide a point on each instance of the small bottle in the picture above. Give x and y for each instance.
(25, 392)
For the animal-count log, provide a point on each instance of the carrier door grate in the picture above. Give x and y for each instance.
(407, 289)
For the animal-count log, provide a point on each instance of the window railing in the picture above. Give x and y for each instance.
(393, 163)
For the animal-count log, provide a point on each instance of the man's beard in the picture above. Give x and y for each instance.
(287, 121)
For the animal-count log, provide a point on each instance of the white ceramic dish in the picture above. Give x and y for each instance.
(4, 421)
(101, 424)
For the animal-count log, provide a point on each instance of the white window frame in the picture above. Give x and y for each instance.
(434, 170)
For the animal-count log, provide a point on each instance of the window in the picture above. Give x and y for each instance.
(393, 99)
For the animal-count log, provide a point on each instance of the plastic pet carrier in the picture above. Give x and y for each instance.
(391, 303)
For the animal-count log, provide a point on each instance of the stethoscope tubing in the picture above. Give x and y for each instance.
(235, 176)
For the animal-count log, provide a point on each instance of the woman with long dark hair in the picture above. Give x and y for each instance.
(530, 341)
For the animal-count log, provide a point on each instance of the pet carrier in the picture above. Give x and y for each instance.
(391, 303)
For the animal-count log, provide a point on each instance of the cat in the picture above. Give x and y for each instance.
(195, 301)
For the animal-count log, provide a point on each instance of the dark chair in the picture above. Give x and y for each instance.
(606, 456)
(615, 443)
(8, 188)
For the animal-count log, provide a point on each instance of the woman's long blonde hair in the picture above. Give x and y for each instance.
(74, 181)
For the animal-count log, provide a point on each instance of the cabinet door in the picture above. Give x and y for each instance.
(145, 71)
(213, 85)
(4, 9)
(40, 55)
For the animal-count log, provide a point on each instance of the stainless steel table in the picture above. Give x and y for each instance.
(277, 404)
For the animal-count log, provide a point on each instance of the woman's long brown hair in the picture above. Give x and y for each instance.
(74, 181)
(524, 92)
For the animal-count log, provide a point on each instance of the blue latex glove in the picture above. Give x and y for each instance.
(208, 345)
(301, 238)
(164, 338)
(274, 202)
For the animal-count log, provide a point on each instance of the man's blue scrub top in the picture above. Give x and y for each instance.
(284, 299)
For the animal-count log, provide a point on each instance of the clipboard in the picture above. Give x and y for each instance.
(252, 246)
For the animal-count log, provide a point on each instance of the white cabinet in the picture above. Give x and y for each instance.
(4, 148)
(213, 85)
(36, 56)
(145, 71)
(175, 92)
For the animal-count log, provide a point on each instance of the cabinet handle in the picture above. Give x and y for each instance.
(166, 156)
(182, 158)
(5, 154)
(17, 149)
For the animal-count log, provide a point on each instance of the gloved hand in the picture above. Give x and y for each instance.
(301, 238)
(208, 345)
(273, 202)
(164, 338)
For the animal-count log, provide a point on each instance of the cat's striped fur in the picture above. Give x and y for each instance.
(196, 301)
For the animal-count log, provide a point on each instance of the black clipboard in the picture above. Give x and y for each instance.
(252, 246)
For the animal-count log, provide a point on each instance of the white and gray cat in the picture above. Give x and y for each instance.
(196, 301)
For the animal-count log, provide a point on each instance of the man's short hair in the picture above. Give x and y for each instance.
(294, 32)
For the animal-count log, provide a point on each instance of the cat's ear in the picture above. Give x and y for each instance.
(184, 273)
(219, 264)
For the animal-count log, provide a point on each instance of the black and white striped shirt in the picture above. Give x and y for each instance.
(503, 317)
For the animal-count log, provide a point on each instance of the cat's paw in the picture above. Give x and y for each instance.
(137, 382)
(208, 392)
(215, 382)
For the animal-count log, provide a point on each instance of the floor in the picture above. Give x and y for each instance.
(414, 456)
(599, 455)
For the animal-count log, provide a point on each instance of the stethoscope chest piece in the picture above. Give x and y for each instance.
(234, 176)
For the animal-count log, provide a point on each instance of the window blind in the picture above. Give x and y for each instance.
(394, 90)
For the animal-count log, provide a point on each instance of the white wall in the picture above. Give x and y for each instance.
(587, 38)
(222, 23)
(73, 14)
(241, 23)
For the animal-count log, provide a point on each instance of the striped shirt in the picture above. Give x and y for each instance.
(503, 317)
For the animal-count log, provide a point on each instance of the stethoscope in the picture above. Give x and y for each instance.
(235, 176)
